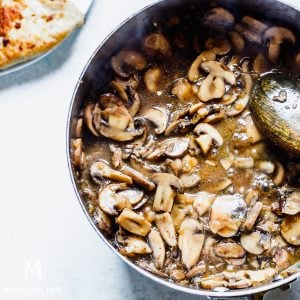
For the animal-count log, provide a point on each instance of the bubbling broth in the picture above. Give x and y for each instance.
(173, 169)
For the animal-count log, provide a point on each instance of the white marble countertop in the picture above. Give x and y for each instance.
(48, 248)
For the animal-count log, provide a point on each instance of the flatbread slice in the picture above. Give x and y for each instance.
(29, 28)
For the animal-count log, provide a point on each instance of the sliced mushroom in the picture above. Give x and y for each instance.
(290, 229)
(204, 141)
(138, 178)
(197, 270)
(120, 89)
(183, 89)
(252, 29)
(158, 247)
(261, 275)
(267, 167)
(135, 102)
(158, 117)
(156, 44)
(133, 222)
(227, 214)
(238, 106)
(213, 282)
(236, 261)
(119, 135)
(261, 64)
(166, 228)
(104, 222)
(202, 202)
(135, 246)
(282, 258)
(292, 203)
(237, 41)
(152, 78)
(127, 61)
(164, 195)
(274, 37)
(218, 18)
(78, 155)
(193, 73)
(251, 243)
(219, 70)
(211, 88)
(175, 147)
(227, 161)
(252, 216)
(110, 201)
(188, 163)
(243, 162)
(229, 250)
(219, 44)
(101, 170)
(88, 116)
(189, 180)
(207, 134)
(133, 195)
(178, 214)
(252, 131)
(190, 241)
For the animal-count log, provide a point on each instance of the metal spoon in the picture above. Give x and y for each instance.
(275, 104)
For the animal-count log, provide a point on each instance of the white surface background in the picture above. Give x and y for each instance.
(42, 226)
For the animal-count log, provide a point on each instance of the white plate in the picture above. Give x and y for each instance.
(83, 5)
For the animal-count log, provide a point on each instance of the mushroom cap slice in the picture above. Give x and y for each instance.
(139, 178)
(190, 180)
(190, 241)
(290, 229)
(229, 250)
(175, 147)
(211, 88)
(204, 128)
(227, 214)
(110, 201)
(158, 247)
(133, 195)
(152, 78)
(92, 113)
(183, 89)
(217, 69)
(292, 203)
(250, 243)
(220, 45)
(275, 36)
(239, 105)
(158, 117)
(166, 228)
(156, 44)
(193, 72)
(218, 18)
(252, 216)
(120, 135)
(203, 202)
(133, 222)
(100, 169)
(164, 195)
(178, 214)
(135, 245)
(126, 61)
(205, 142)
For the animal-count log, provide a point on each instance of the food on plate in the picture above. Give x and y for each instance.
(29, 28)
(171, 166)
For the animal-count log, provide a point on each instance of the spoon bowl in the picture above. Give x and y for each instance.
(275, 105)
